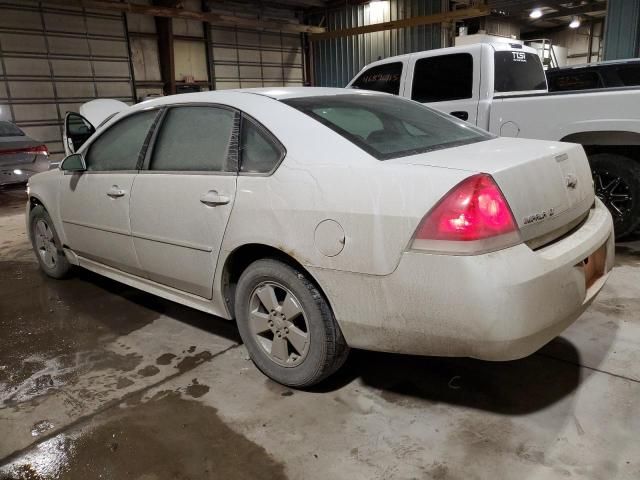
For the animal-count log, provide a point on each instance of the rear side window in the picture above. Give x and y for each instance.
(119, 147)
(442, 78)
(630, 75)
(195, 139)
(388, 127)
(382, 78)
(574, 81)
(259, 152)
(518, 72)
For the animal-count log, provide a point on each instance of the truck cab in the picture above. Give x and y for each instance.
(461, 81)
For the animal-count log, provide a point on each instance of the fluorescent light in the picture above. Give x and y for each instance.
(377, 10)
(575, 23)
(537, 13)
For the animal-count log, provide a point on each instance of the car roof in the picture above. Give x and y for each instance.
(276, 93)
(496, 46)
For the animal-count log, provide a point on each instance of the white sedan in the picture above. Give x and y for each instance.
(324, 219)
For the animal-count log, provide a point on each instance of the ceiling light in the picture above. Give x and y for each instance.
(575, 23)
(537, 13)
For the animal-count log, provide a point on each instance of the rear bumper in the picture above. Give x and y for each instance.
(21, 172)
(497, 306)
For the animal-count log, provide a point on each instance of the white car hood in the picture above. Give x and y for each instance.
(96, 111)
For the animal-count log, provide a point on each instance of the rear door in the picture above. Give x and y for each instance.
(447, 82)
(182, 200)
(94, 204)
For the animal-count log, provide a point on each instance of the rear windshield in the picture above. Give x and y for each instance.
(388, 127)
(8, 129)
(518, 72)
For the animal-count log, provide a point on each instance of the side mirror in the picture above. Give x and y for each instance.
(73, 163)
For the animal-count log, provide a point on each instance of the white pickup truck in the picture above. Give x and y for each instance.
(501, 87)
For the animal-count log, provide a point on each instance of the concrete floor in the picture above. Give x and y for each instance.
(98, 380)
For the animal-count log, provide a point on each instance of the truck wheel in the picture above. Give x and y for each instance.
(287, 325)
(617, 183)
(46, 244)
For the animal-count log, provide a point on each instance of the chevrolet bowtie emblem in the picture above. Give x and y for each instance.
(571, 181)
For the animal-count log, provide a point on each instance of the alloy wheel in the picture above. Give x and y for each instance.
(279, 324)
(614, 192)
(45, 243)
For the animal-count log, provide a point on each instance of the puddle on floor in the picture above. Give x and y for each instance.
(167, 437)
(52, 327)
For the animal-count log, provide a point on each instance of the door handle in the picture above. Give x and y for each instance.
(461, 115)
(213, 198)
(115, 192)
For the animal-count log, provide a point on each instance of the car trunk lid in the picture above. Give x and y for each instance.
(548, 185)
(15, 150)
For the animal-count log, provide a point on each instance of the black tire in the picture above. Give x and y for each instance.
(327, 349)
(617, 183)
(60, 267)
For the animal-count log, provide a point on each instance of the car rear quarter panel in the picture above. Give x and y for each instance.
(378, 204)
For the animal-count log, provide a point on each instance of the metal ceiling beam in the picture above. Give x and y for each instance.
(480, 11)
(569, 12)
(209, 17)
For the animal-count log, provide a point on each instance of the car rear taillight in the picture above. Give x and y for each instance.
(39, 149)
(473, 217)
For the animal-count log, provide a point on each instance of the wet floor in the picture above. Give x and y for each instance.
(99, 380)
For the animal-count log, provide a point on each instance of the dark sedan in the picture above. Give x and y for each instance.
(20, 155)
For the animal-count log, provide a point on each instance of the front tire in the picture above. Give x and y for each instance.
(617, 183)
(287, 325)
(46, 244)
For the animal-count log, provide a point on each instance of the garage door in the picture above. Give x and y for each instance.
(249, 58)
(58, 59)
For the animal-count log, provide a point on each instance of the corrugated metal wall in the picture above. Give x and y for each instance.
(337, 60)
(54, 59)
(622, 29)
(250, 58)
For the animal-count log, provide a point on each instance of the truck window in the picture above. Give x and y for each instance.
(381, 78)
(442, 78)
(573, 81)
(629, 74)
(518, 72)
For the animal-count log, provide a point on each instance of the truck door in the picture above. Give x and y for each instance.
(447, 82)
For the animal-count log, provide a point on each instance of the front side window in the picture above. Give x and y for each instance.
(443, 78)
(119, 147)
(518, 72)
(388, 127)
(259, 153)
(195, 139)
(381, 78)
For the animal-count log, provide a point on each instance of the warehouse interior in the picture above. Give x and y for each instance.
(101, 380)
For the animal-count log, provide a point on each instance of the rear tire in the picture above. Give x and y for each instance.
(46, 244)
(617, 183)
(287, 325)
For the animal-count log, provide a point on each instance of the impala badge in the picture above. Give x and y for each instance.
(572, 181)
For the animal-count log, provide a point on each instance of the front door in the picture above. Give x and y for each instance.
(95, 204)
(182, 200)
